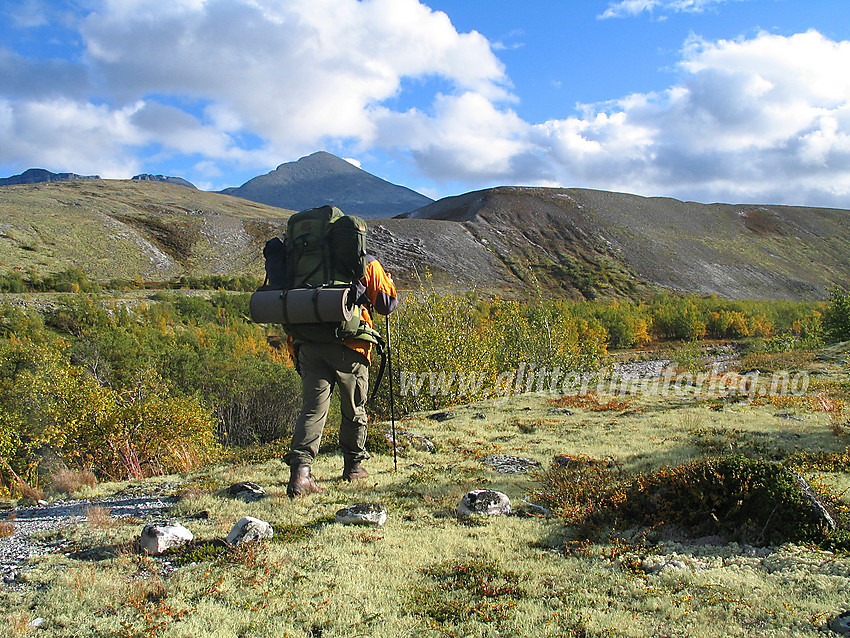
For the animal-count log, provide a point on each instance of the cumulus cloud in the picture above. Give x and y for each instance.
(251, 83)
(289, 76)
(77, 137)
(297, 71)
(763, 119)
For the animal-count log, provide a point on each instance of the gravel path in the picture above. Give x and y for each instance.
(20, 546)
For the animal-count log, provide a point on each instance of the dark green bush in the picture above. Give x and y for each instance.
(742, 499)
(836, 316)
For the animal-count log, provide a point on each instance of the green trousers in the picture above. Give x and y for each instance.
(323, 366)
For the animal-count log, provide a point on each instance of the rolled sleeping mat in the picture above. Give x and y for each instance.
(302, 305)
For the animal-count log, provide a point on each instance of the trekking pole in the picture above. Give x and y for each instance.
(392, 398)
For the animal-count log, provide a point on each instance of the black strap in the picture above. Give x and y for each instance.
(382, 350)
(285, 306)
(315, 300)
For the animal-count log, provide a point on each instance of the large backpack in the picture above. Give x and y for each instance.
(313, 271)
(324, 248)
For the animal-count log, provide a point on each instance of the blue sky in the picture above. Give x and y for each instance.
(704, 100)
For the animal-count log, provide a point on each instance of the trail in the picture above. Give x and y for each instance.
(21, 546)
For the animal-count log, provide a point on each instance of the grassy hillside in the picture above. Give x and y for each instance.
(132, 229)
(602, 243)
(573, 243)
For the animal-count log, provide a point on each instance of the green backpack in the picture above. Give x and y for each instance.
(323, 249)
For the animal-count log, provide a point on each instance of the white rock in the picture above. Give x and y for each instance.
(488, 502)
(36, 623)
(159, 536)
(249, 529)
(373, 514)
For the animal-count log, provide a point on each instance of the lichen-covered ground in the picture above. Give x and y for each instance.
(429, 573)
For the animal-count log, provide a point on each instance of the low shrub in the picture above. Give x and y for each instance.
(747, 500)
(460, 592)
(742, 499)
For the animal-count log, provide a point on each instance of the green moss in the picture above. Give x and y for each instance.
(196, 552)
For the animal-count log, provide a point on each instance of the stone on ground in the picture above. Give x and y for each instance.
(487, 502)
(507, 464)
(373, 514)
(249, 529)
(158, 536)
(246, 491)
(840, 624)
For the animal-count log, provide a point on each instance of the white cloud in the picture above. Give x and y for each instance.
(626, 8)
(298, 71)
(251, 83)
(289, 76)
(467, 138)
(76, 137)
(764, 119)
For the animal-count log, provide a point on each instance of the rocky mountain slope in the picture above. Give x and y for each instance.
(165, 178)
(323, 178)
(601, 243)
(570, 242)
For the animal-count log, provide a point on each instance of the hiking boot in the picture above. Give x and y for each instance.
(353, 471)
(301, 482)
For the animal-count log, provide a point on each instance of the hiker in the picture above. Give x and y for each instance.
(345, 364)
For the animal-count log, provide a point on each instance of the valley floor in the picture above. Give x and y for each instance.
(427, 572)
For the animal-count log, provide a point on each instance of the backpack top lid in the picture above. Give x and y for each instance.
(325, 247)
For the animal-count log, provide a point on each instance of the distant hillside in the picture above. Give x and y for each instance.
(572, 243)
(38, 175)
(164, 178)
(602, 243)
(322, 178)
(133, 229)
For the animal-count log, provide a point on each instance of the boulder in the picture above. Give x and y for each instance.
(249, 529)
(158, 536)
(487, 502)
(246, 491)
(373, 514)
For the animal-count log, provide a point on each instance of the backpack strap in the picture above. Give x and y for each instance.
(382, 351)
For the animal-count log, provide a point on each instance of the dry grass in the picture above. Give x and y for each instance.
(100, 517)
(17, 623)
(7, 526)
(69, 481)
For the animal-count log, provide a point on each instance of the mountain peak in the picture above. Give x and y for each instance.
(323, 178)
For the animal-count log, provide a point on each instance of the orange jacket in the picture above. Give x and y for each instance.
(382, 295)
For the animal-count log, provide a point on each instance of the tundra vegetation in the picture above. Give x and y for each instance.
(674, 513)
